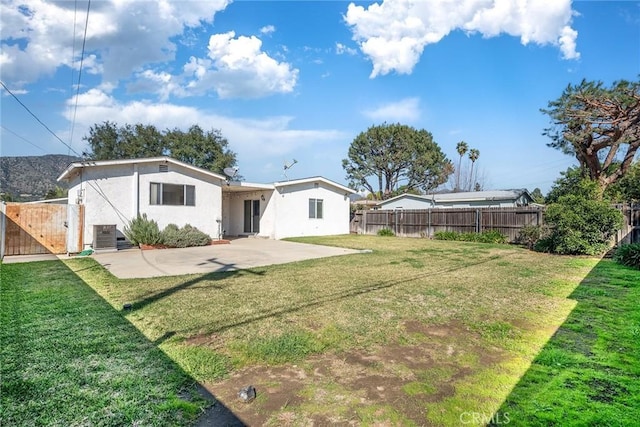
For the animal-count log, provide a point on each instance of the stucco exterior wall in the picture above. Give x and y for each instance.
(292, 210)
(106, 194)
(233, 214)
(208, 198)
(115, 194)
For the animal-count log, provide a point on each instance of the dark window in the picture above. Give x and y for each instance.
(315, 208)
(172, 194)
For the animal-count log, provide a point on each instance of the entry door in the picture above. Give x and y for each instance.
(252, 216)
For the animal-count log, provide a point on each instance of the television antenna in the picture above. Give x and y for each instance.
(231, 173)
(288, 166)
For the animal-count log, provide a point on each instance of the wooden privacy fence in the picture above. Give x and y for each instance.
(630, 232)
(508, 221)
(426, 222)
(39, 228)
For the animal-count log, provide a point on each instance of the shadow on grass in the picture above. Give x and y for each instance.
(63, 341)
(587, 373)
(338, 296)
(190, 283)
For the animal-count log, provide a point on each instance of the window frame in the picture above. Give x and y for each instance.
(314, 204)
(156, 194)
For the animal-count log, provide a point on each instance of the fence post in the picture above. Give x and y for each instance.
(364, 222)
(477, 220)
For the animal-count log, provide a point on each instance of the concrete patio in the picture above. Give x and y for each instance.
(241, 253)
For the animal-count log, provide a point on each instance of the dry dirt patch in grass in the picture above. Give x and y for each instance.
(390, 383)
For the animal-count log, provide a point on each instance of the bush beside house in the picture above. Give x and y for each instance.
(144, 231)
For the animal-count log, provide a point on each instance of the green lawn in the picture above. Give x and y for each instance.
(416, 332)
(68, 358)
(588, 374)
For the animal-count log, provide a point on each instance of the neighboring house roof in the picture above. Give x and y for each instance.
(468, 196)
(481, 195)
(406, 196)
(93, 163)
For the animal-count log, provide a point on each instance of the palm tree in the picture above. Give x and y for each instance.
(462, 148)
(473, 156)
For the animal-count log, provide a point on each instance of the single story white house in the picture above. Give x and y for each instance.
(470, 199)
(113, 192)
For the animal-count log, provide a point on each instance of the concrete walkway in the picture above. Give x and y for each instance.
(12, 259)
(239, 254)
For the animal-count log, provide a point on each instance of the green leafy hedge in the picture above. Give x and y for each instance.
(176, 237)
(142, 231)
(489, 236)
(145, 231)
(580, 224)
(628, 255)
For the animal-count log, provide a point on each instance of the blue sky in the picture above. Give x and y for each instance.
(299, 80)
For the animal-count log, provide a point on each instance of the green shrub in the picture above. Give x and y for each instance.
(467, 237)
(386, 232)
(489, 236)
(187, 236)
(628, 255)
(580, 224)
(142, 230)
(445, 235)
(530, 234)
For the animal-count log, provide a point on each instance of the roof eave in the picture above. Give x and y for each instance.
(93, 163)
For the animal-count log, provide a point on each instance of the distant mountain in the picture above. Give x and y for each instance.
(29, 178)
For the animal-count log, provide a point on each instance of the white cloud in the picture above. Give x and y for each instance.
(15, 92)
(238, 68)
(122, 36)
(405, 110)
(256, 141)
(342, 49)
(267, 29)
(394, 33)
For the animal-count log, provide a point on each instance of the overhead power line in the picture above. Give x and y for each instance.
(38, 119)
(23, 138)
(84, 42)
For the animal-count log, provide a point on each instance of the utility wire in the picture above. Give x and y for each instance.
(73, 57)
(84, 41)
(23, 138)
(38, 119)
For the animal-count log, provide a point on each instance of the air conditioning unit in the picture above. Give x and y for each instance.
(104, 237)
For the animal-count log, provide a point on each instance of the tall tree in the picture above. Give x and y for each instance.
(208, 150)
(597, 125)
(462, 148)
(474, 154)
(389, 154)
(630, 184)
(537, 196)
